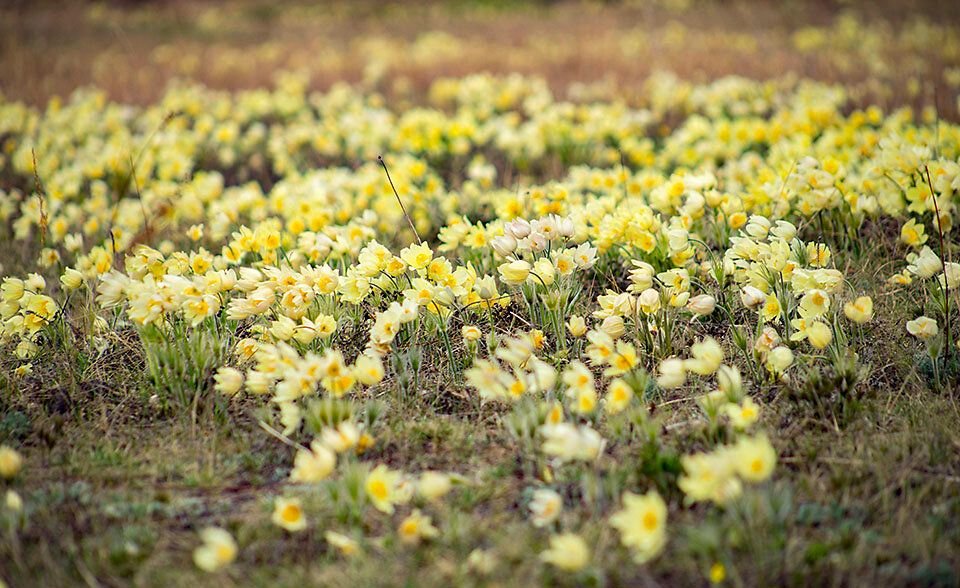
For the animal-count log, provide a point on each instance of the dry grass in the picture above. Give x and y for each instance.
(133, 51)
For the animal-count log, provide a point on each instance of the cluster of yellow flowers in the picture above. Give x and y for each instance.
(581, 297)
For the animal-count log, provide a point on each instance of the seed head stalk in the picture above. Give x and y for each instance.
(943, 261)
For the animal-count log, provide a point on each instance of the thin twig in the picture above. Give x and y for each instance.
(280, 436)
(40, 196)
(395, 193)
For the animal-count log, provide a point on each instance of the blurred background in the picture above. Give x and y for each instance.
(885, 52)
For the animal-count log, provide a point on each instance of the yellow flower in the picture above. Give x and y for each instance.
(744, 414)
(860, 310)
(754, 458)
(642, 524)
(619, 395)
(709, 476)
(314, 465)
(913, 234)
(819, 334)
(228, 381)
(345, 545)
(568, 442)
(10, 462)
(718, 573)
(543, 272)
(288, 514)
(672, 373)
(779, 359)
(922, 327)
(417, 256)
(343, 438)
(416, 527)
(814, 304)
(481, 561)
(752, 297)
(195, 232)
(515, 272)
(568, 551)
(770, 311)
(613, 326)
(577, 326)
(649, 301)
(471, 333)
(433, 485)
(381, 486)
(368, 369)
(218, 550)
(577, 376)
(71, 279)
(702, 304)
(13, 501)
(545, 507)
(729, 381)
(707, 357)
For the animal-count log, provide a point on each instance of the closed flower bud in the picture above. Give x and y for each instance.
(504, 245)
(514, 272)
(860, 310)
(71, 279)
(752, 297)
(702, 304)
(672, 373)
(613, 326)
(228, 381)
(577, 326)
(471, 333)
(517, 228)
(10, 462)
(779, 359)
(649, 301)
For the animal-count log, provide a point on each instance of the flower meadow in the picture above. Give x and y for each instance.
(498, 337)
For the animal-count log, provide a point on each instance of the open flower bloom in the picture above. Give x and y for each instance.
(382, 487)
(754, 458)
(416, 527)
(619, 395)
(710, 476)
(922, 327)
(288, 515)
(742, 415)
(642, 524)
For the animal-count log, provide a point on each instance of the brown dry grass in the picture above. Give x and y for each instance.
(133, 50)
